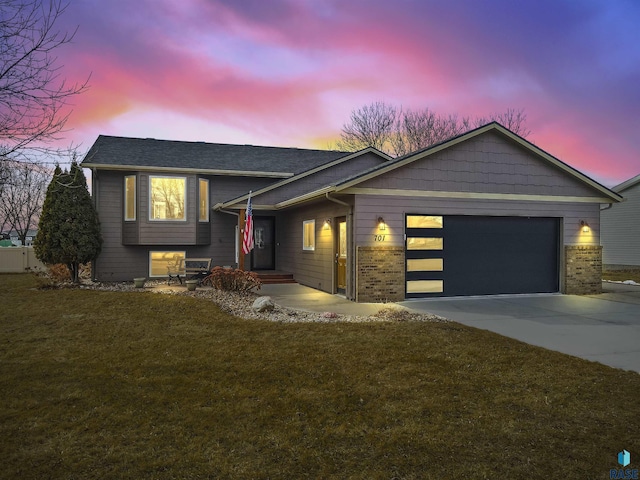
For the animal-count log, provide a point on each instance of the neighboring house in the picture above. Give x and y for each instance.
(483, 213)
(15, 238)
(621, 227)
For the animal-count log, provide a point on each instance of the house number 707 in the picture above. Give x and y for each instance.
(379, 238)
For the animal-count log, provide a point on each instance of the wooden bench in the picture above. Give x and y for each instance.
(189, 268)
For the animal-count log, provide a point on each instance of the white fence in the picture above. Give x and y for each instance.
(18, 260)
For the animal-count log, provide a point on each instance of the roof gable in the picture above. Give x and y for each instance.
(559, 174)
(571, 176)
(122, 153)
(322, 175)
(627, 184)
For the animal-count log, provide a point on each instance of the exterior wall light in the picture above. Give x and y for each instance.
(381, 224)
(585, 226)
(327, 222)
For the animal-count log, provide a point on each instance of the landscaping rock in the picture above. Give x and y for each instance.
(263, 304)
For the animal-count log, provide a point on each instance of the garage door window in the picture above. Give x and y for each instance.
(425, 286)
(427, 243)
(424, 265)
(424, 221)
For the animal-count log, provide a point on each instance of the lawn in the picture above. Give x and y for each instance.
(140, 385)
(622, 275)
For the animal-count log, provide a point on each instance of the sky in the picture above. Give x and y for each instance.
(289, 72)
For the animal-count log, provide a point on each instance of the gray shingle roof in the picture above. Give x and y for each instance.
(152, 153)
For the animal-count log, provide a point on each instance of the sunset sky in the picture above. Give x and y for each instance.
(288, 73)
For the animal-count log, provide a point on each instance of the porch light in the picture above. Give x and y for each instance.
(585, 226)
(327, 222)
(381, 224)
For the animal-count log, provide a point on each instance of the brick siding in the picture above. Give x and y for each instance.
(380, 272)
(583, 269)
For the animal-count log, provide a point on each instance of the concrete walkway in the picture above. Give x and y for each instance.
(309, 299)
(603, 328)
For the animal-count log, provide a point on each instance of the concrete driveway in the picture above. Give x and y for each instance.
(603, 328)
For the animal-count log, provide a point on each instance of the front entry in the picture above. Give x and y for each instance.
(341, 255)
(263, 253)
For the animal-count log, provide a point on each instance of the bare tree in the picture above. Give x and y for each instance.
(399, 132)
(514, 120)
(33, 95)
(22, 198)
(370, 126)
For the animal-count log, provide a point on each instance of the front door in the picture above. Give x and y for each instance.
(263, 253)
(341, 255)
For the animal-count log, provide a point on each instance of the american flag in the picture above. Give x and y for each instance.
(247, 238)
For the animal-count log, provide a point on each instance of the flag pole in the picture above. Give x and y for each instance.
(241, 218)
(247, 234)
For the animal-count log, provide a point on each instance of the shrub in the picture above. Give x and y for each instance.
(232, 280)
(59, 273)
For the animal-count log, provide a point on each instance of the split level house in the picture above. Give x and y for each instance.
(483, 213)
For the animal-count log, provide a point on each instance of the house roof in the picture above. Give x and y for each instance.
(627, 184)
(123, 153)
(343, 185)
(235, 202)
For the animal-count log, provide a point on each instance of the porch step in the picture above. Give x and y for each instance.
(271, 277)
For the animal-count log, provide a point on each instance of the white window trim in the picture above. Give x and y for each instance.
(151, 219)
(309, 248)
(183, 252)
(135, 199)
(207, 200)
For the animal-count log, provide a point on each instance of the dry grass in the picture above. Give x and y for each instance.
(622, 275)
(139, 385)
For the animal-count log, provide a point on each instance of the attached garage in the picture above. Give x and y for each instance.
(480, 255)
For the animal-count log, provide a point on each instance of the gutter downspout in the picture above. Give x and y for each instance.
(351, 269)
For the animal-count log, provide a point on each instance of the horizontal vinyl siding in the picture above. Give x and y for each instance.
(158, 232)
(115, 262)
(118, 262)
(621, 230)
(488, 163)
(393, 209)
(222, 248)
(312, 268)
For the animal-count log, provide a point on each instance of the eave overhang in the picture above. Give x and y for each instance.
(176, 170)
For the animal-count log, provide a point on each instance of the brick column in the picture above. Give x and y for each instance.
(380, 274)
(583, 269)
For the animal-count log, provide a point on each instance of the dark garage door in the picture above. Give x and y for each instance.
(465, 255)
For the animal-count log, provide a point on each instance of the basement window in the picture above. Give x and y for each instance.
(160, 261)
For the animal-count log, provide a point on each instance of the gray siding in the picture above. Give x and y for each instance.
(489, 163)
(115, 259)
(126, 247)
(393, 209)
(154, 232)
(621, 230)
(319, 179)
(312, 268)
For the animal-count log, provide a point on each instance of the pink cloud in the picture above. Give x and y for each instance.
(294, 70)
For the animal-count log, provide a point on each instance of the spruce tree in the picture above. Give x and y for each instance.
(69, 229)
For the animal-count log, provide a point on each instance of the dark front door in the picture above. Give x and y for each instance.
(263, 254)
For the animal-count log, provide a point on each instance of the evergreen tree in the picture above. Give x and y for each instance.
(69, 229)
